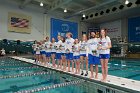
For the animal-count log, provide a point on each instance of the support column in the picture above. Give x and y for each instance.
(45, 26)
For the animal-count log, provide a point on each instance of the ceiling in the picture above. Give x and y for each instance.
(75, 8)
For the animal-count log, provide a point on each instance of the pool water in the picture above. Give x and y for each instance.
(20, 77)
(126, 68)
(15, 77)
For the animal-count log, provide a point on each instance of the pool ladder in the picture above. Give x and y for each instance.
(51, 86)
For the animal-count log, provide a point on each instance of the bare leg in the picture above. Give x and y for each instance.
(82, 63)
(37, 58)
(106, 68)
(40, 58)
(78, 63)
(103, 69)
(58, 63)
(96, 76)
(68, 65)
(72, 65)
(53, 60)
(86, 63)
(61, 64)
(47, 60)
(44, 59)
(91, 70)
(76, 66)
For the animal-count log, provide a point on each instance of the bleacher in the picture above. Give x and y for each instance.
(16, 46)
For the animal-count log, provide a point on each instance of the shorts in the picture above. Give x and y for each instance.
(69, 56)
(58, 55)
(53, 52)
(37, 53)
(63, 54)
(93, 60)
(48, 54)
(76, 57)
(104, 56)
(84, 55)
(43, 52)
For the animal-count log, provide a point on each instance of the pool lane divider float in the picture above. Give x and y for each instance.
(20, 68)
(52, 86)
(25, 75)
(15, 64)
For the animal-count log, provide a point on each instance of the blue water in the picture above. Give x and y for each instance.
(126, 68)
(14, 84)
(10, 67)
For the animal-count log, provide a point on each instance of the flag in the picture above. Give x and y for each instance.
(19, 23)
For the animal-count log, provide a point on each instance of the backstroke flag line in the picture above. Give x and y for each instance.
(19, 23)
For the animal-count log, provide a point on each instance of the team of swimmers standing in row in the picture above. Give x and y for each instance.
(69, 51)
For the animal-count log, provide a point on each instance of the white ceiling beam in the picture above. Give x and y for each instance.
(77, 4)
(94, 1)
(25, 3)
(68, 8)
(92, 8)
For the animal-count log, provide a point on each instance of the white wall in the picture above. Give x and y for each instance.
(37, 22)
(40, 22)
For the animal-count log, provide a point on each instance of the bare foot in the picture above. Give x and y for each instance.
(103, 80)
(96, 76)
(68, 71)
(91, 77)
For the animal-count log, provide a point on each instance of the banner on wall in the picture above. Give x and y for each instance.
(114, 28)
(19, 23)
(60, 27)
(134, 29)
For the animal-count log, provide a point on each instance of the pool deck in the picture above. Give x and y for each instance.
(124, 84)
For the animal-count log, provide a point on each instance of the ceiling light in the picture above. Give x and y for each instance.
(126, 2)
(41, 4)
(65, 10)
(84, 15)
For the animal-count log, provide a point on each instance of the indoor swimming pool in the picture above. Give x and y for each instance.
(20, 77)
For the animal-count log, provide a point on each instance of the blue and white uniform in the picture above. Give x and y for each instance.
(83, 47)
(34, 48)
(58, 51)
(104, 54)
(53, 51)
(37, 50)
(43, 50)
(63, 49)
(69, 52)
(48, 48)
(93, 54)
(76, 52)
